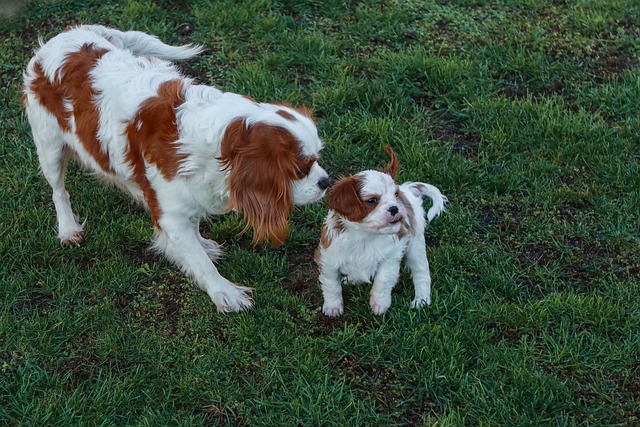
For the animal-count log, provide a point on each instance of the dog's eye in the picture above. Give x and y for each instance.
(397, 193)
(303, 172)
(372, 201)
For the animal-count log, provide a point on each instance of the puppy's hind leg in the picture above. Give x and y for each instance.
(52, 155)
(419, 266)
(329, 278)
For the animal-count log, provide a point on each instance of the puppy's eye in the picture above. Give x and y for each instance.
(371, 202)
(397, 193)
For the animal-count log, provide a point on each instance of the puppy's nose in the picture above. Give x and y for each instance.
(324, 183)
(393, 210)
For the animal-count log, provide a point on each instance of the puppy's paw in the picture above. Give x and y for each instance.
(232, 298)
(379, 304)
(420, 302)
(379, 309)
(72, 238)
(333, 310)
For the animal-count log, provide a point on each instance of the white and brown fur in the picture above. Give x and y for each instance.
(111, 100)
(373, 223)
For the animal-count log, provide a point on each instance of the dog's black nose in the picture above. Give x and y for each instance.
(324, 183)
(393, 210)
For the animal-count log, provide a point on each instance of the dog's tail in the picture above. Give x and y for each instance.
(422, 189)
(140, 43)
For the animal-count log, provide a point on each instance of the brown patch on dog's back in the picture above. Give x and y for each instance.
(304, 111)
(51, 97)
(287, 115)
(151, 136)
(154, 130)
(75, 82)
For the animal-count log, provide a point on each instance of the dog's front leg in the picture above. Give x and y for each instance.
(419, 267)
(179, 240)
(386, 278)
(333, 305)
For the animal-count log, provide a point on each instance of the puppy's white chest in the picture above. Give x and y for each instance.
(362, 259)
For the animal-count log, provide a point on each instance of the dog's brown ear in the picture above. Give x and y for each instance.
(262, 162)
(344, 198)
(394, 165)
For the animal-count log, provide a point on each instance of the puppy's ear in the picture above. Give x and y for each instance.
(262, 163)
(394, 165)
(343, 198)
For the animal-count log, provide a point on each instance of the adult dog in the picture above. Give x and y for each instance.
(113, 101)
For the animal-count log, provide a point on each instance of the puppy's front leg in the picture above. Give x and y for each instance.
(386, 278)
(333, 305)
(419, 266)
(179, 240)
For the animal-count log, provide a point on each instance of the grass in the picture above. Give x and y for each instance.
(525, 113)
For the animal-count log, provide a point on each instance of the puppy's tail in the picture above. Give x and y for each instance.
(140, 43)
(422, 189)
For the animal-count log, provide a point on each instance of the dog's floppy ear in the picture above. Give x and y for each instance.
(343, 198)
(394, 164)
(262, 161)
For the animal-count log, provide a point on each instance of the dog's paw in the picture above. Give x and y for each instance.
(420, 302)
(379, 309)
(73, 238)
(232, 298)
(379, 305)
(333, 310)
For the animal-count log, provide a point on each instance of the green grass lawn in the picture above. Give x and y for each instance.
(525, 113)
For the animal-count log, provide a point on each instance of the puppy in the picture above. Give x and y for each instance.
(372, 224)
(111, 100)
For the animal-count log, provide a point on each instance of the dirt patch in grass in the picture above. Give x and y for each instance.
(304, 275)
(504, 332)
(219, 415)
(30, 30)
(79, 370)
(158, 305)
(564, 262)
(398, 398)
(141, 254)
(10, 363)
(538, 253)
(449, 130)
(506, 219)
(520, 90)
(36, 299)
(613, 65)
(324, 325)
(622, 390)
(579, 264)
(595, 259)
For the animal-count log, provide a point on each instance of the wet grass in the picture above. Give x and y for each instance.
(524, 113)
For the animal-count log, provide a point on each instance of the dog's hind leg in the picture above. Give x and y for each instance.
(213, 249)
(52, 155)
